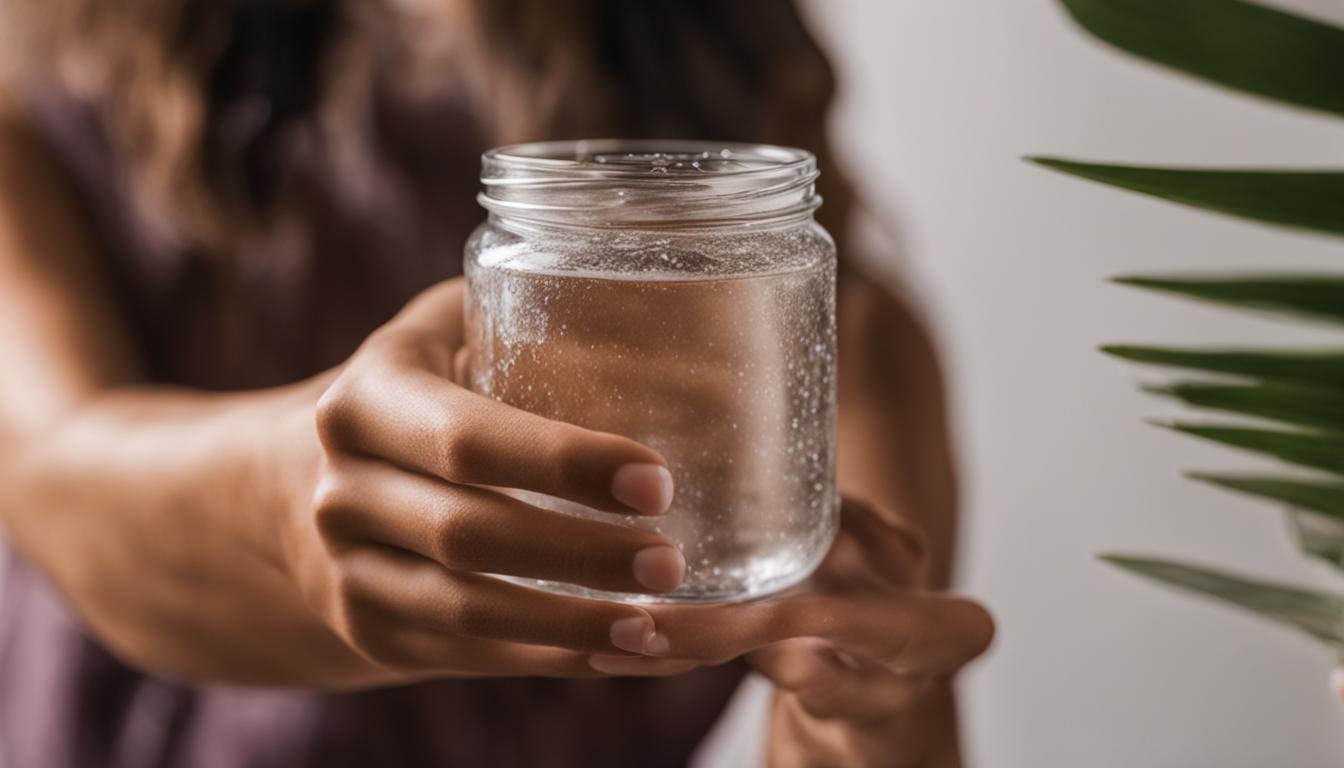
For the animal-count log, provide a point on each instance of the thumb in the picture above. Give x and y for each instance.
(1337, 683)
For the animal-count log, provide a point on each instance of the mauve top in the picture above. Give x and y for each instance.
(286, 306)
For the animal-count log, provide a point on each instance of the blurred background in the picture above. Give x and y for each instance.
(1091, 667)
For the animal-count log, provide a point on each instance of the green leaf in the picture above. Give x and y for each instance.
(1319, 614)
(1318, 297)
(1312, 368)
(1318, 496)
(1236, 44)
(1312, 200)
(1317, 408)
(1318, 451)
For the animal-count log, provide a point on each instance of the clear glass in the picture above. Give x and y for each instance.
(679, 294)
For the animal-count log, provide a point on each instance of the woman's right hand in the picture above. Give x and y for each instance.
(394, 537)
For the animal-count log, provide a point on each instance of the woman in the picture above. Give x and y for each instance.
(241, 484)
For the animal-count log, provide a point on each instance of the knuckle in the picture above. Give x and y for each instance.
(335, 413)
(333, 499)
(565, 459)
(459, 445)
(357, 619)
(467, 618)
(457, 548)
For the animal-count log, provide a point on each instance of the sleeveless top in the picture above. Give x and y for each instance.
(287, 306)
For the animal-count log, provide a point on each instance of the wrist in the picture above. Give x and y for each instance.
(281, 466)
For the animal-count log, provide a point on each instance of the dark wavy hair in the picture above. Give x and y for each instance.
(212, 102)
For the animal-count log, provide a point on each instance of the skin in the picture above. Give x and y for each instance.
(333, 533)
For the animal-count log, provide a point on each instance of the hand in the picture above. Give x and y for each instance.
(393, 540)
(860, 655)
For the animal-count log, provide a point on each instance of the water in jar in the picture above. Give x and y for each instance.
(718, 352)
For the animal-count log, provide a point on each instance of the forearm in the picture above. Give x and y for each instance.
(159, 514)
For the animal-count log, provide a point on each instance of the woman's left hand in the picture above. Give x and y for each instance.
(861, 654)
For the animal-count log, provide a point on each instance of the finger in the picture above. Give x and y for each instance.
(419, 654)
(421, 421)
(436, 314)
(845, 570)
(462, 367)
(914, 633)
(381, 585)
(829, 685)
(640, 666)
(465, 528)
(892, 546)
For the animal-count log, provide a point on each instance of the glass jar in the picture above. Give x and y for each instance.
(680, 294)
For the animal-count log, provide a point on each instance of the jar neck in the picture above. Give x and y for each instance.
(648, 185)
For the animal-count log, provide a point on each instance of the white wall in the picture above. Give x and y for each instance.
(1092, 667)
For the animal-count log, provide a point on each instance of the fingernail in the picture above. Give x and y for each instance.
(619, 665)
(645, 488)
(657, 644)
(660, 568)
(632, 634)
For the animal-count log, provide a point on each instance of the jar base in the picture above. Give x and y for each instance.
(765, 582)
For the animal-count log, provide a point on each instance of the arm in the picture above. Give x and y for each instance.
(104, 481)
(342, 531)
(256, 537)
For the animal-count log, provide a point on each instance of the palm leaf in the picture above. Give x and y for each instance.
(1317, 408)
(1326, 498)
(1318, 614)
(1297, 61)
(1313, 368)
(1318, 451)
(1317, 297)
(1236, 44)
(1312, 200)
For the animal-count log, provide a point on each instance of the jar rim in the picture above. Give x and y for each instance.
(648, 183)
(575, 155)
